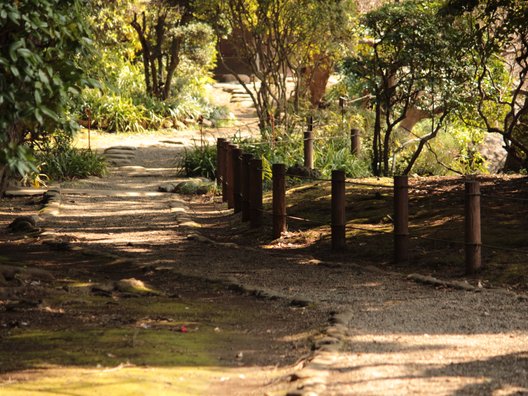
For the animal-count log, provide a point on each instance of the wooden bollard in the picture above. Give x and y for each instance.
(401, 219)
(279, 200)
(338, 210)
(473, 231)
(255, 193)
(237, 180)
(245, 183)
(223, 156)
(355, 142)
(308, 150)
(219, 163)
(230, 174)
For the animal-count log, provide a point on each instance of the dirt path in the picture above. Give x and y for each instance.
(391, 336)
(79, 329)
(400, 337)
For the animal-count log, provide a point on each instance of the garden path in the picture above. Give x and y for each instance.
(393, 337)
(390, 335)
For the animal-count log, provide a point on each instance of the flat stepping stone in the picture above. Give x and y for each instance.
(119, 162)
(120, 152)
(119, 157)
(135, 168)
(129, 148)
(25, 192)
(172, 142)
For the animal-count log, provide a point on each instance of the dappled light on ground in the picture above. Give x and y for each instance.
(442, 363)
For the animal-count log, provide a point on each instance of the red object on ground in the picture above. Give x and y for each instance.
(183, 329)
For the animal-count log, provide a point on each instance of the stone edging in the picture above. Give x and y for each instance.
(312, 379)
(52, 201)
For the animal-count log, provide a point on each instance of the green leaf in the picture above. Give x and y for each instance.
(43, 77)
(38, 116)
(38, 98)
(24, 52)
(48, 112)
(14, 71)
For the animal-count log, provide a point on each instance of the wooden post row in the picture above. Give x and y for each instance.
(401, 219)
(223, 157)
(355, 142)
(279, 200)
(219, 163)
(308, 150)
(473, 240)
(338, 210)
(230, 175)
(245, 183)
(237, 180)
(255, 193)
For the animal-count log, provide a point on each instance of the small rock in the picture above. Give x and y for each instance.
(106, 287)
(194, 187)
(133, 286)
(23, 224)
(3, 281)
(166, 188)
(129, 148)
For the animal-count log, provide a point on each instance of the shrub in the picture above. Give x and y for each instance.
(66, 163)
(199, 161)
(114, 113)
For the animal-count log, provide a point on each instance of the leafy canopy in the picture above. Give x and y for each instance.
(41, 42)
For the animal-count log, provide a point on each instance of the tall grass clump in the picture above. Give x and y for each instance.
(199, 160)
(67, 163)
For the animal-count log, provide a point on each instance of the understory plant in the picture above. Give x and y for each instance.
(58, 160)
(69, 163)
(331, 150)
(199, 160)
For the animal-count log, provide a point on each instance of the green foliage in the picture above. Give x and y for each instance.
(331, 151)
(17, 158)
(415, 59)
(41, 42)
(66, 163)
(114, 113)
(199, 161)
(122, 101)
(500, 55)
(170, 36)
(279, 37)
(454, 151)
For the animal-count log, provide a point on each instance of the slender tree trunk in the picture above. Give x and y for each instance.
(376, 141)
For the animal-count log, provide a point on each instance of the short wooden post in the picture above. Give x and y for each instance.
(237, 180)
(255, 193)
(309, 123)
(279, 199)
(245, 182)
(338, 210)
(230, 174)
(473, 231)
(308, 150)
(401, 219)
(219, 161)
(223, 151)
(355, 142)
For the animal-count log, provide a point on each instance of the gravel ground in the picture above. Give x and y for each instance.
(402, 337)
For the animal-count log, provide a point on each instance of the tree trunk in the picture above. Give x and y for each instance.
(316, 78)
(412, 117)
(4, 178)
(376, 141)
